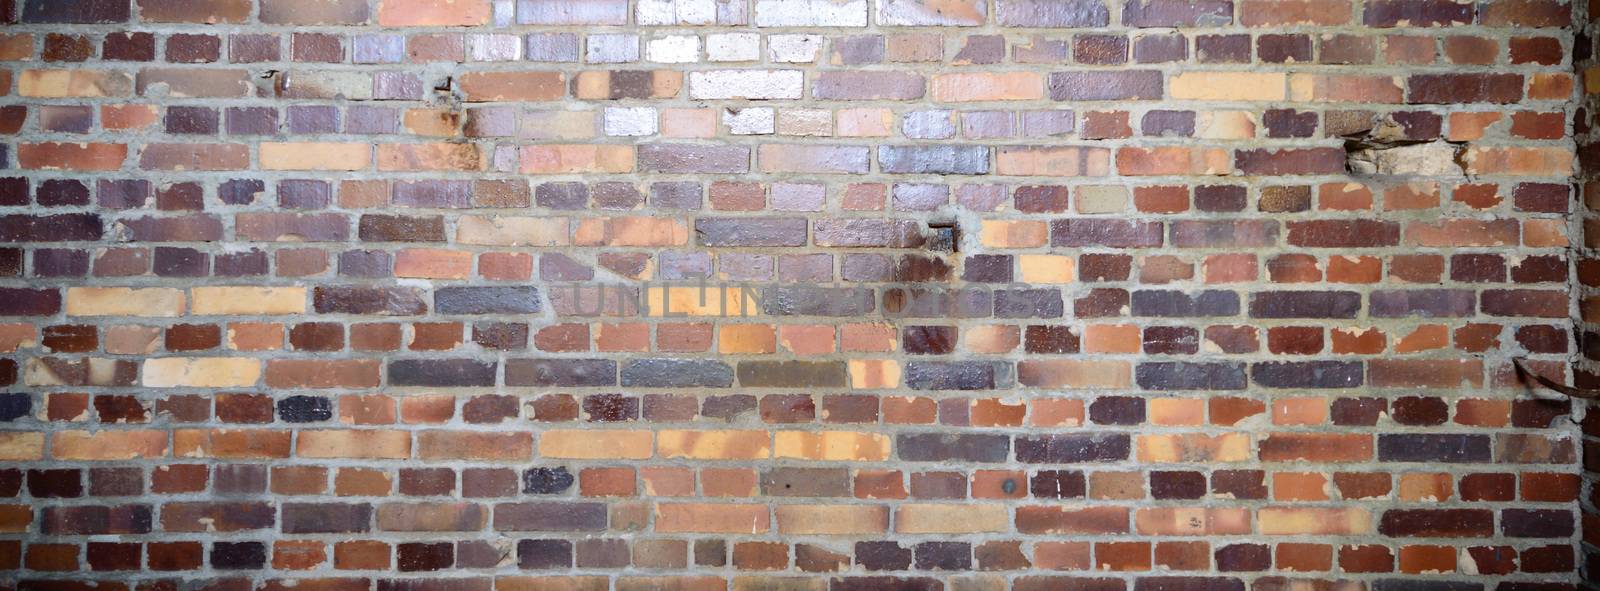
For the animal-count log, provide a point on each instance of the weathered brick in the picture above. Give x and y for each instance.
(1095, 85)
(1305, 304)
(1052, 13)
(848, 86)
(1419, 13)
(688, 158)
(1066, 449)
(933, 160)
(1189, 376)
(323, 518)
(751, 231)
(813, 159)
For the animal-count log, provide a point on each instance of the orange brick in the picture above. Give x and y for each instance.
(474, 445)
(433, 13)
(1314, 521)
(231, 443)
(714, 445)
(512, 86)
(108, 445)
(433, 264)
(76, 157)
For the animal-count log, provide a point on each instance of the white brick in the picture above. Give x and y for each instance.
(681, 12)
(746, 84)
(613, 49)
(794, 49)
(750, 121)
(494, 48)
(733, 47)
(677, 49)
(655, 12)
(811, 13)
(630, 121)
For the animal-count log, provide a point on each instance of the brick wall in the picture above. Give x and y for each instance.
(1147, 295)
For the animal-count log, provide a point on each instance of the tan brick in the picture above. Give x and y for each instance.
(125, 301)
(714, 445)
(832, 520)
(1337, 521)
(1046, 268)
(832, 446)
(365, 444)
(512, 231)
(988, 86)
(918, 518)
(247, 300)
(595, 444)
(73, 84)
(21, 446)
(1053, 161)
(201, 372)
(1228, 86)
(315, 156)
(1014, 234)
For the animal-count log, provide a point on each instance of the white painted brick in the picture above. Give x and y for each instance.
(494, 48)
(811, 13)
(630, 121)
(750, 120)
(613, 49)
(676, 12)
(794, 49)
(677, 49)
(746, 84)
(733, 47)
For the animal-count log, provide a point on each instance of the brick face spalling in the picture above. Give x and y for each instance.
(1143, 295)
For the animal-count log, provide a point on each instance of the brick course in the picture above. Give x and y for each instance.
(1138, 295)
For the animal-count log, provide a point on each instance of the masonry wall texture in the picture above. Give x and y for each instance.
(1145, 295)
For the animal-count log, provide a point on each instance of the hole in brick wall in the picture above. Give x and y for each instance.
(1385, 150)
(943, 236)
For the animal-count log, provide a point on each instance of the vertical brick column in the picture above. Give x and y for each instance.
(1587, 285)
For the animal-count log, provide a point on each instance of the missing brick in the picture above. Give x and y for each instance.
(1386, 151)
(943, 236)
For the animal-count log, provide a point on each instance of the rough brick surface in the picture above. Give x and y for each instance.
(1121, 295)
